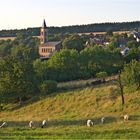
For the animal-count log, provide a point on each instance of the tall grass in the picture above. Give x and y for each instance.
(68, 111)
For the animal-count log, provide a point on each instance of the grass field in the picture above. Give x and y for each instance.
(12, 38)
(68, 111)
(7, 38)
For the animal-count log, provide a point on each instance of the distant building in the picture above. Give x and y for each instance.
(137, 36)
(46, 48)
(124, 51)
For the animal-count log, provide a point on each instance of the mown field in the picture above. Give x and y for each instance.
(7, 38)
(68, 112)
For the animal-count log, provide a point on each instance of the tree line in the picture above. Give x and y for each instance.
(98, 27)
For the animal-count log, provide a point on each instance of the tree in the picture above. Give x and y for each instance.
(114, 43)
(26, 47)
(73, 42)
(109, 32)
(132, 44)
(17, 78)
(100, 59)
(101, 75)
(121, 90)
(63, 65)
(40, 68)
(132, 54)
(5, 47)
(131, 74)
(48, 86)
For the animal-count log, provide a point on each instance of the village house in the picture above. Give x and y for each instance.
(46, 48)
(136, 36)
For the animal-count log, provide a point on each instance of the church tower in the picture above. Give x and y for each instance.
(43, 33)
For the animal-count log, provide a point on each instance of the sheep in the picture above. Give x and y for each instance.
(102, 120)
(3, 124)
(89, 123)
(44, 123)
(31, 123)
(126, 117)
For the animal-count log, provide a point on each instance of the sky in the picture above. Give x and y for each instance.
(19, 14)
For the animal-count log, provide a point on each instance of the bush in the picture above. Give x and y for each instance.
(101, 75)
(48, 86)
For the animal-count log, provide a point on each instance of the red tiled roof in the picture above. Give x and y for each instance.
(50, 44)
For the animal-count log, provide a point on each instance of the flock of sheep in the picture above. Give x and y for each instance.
(44, 122)
(90, 122)
(31, 124)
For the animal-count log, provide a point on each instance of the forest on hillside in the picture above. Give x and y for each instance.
(99, 27)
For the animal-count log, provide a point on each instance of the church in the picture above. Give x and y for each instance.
(46, 48)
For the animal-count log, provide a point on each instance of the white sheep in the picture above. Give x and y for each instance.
(3, 124)
(44, 123)
(126, 117)
(89, 123)
(31, 123)
(102, 120)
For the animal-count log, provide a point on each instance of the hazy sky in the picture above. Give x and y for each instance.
(30, 13)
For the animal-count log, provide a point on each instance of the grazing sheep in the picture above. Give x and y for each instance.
(31, 124)
(44, 123)
(126, 117)
(102, 120)
(3, 124)
(89, 123)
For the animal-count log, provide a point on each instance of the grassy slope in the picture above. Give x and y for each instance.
(68, 111)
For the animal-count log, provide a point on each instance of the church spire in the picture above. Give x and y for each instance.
(44, 24)
(43, 33)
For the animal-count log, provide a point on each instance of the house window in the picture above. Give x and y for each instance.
(50, 50)
(42, 49)
(46, 50)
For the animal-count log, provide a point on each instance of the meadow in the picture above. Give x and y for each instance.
(7, 38)
(68, 111)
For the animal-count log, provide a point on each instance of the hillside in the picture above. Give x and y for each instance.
(96, 27)
(68, 111)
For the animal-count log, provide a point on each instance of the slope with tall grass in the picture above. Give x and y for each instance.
(68, 111)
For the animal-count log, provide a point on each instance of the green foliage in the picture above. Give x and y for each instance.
(132, 44)
(40, 69)
(55, 37)
(102, 74)
(100, 59)
(5, 47)
(68, 64)
(48, 86)
(131, 74)
(16, 78)
(132, 54)
(114, 43)
(26, 47)
(63, 65)
(73, 42)
(109, 32)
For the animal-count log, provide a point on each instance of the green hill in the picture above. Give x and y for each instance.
(68, 111)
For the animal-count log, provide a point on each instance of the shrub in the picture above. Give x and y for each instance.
(101, 75)
(48, 86)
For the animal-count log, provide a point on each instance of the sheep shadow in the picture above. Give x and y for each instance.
(107, 120)
(134, 117)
